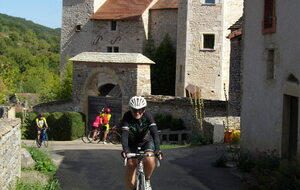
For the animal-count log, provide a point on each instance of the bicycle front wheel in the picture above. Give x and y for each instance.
(38, 144)
(114, 138)
(45, 140)
(141, 185)
(88, 137)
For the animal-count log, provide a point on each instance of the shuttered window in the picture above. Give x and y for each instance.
(269, 21)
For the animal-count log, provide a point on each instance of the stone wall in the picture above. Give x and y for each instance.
(162, 22)
(215, 111)
(235, 76)
(10, 155)
(75, 12)
(56, 106)
(128, 37)
(179, 107)
(181, 48)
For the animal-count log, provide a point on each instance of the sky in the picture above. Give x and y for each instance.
(44, 12)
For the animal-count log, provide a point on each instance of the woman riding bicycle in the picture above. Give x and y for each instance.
(139, 130)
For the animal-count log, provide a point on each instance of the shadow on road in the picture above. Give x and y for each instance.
(182, 169)
(91, 169)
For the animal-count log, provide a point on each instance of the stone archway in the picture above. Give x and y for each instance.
(128, 72)
(109, 96)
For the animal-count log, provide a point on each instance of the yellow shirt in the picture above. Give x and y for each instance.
(105, 119)
(40, 122)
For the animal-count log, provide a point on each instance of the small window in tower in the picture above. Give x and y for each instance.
(112, 49)
(270, 64)
(209, 1)
(109, 49)
(113, 25)
(208, 41)
(78, 28)
(116, 49)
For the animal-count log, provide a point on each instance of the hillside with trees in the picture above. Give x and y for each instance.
(29, 60)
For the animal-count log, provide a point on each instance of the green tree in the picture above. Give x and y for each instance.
(3, 91)
(163, 73)
(149, 48)
(66, 87)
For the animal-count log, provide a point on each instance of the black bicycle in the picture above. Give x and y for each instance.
(113, 136)
(43, 139)
(140, 175)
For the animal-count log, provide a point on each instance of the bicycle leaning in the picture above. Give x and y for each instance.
(43, 139)
(140, 175)
(113, 136)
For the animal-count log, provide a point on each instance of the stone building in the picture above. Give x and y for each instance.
(271, 73)
(198, 30)
(108, 79)
(234, 95)
(202, 48)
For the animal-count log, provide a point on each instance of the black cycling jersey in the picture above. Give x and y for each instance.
(138, 131)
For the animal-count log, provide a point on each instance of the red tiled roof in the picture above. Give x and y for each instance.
(166, 4)
(121, 10)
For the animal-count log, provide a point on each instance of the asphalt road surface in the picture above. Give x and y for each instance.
(100, 167)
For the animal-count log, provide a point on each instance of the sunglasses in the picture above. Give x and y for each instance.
(137, 110)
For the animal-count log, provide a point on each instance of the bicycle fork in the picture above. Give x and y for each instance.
(140, 176)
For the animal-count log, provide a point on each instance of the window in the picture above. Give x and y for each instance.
(116, 49)
(208, 41)
(78, 28)
(269, 21)
(109, 49)
(113, 25)
(271, 64)
(209, 1)
(112, 49)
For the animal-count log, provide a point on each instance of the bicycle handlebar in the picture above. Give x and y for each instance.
(143, 155)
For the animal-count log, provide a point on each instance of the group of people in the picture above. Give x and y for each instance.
(102, 123)
(138, 130)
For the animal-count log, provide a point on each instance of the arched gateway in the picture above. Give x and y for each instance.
(109, 79)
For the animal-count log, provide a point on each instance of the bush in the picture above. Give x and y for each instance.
(72, 126)
(199, 139)
(63, 126)
(29, 126)
(54, 125)
(169, 122)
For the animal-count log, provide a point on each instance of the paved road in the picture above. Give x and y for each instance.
(97, 166)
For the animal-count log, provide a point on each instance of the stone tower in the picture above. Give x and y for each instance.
(202, 48)
(198, 29)
(103, 26)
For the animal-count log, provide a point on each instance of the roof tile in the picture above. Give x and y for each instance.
(121, 10)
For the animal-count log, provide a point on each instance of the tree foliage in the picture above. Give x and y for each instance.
(163, 73)
(29, 60)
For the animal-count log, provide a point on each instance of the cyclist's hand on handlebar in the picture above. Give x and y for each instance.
(124, 154)
(159, 155)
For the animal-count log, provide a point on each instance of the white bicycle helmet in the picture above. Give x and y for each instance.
(137, 102)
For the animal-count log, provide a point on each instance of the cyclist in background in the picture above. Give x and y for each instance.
(41, 125)
(139, 130)
(105, 118)
(96, 126)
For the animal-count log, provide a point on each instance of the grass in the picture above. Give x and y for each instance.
(43, 165)
(53, 185)
(170, 146)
